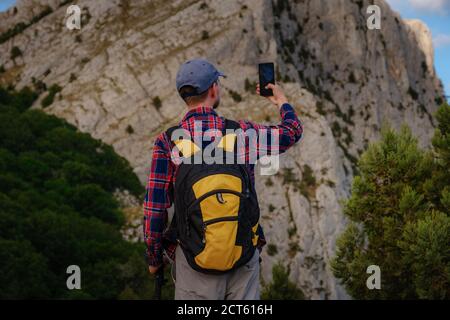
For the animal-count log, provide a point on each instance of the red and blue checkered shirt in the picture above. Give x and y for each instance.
(159, 190)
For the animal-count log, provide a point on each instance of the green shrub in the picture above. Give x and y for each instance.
(399, 214)
(308, 176)
(52, 91)
(292, 231)
(269, 182)
(235, 96)
(21, 100)
(413, 93)
(294, 247)
(157, 102)
(352, 78)
(130, 129)
(272, 249)
(249, 86)
(336, 129)
(320, 108)
(15, 52)
(73, 77)
(57, 209)
(281, 287)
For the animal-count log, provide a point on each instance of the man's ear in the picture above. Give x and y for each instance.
(213, 90)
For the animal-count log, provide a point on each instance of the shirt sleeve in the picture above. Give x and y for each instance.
(274, 139)
(158, 198)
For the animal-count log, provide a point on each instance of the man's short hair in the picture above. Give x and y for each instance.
(193, 99)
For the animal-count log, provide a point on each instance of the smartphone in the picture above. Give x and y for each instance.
(266, 76)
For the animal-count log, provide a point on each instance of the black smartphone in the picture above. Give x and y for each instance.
(266, 76)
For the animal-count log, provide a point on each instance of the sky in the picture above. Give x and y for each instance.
(435, 13)
(5, 4)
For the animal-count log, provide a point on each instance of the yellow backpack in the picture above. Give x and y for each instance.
(216, 208)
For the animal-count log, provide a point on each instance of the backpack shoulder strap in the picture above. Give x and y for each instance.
(229, 141)
(185, 145)
(170, 131)
(231, 124)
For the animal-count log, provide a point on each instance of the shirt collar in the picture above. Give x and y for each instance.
(199, 111)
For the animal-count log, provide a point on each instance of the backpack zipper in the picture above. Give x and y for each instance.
(216, 220)
(244, 195)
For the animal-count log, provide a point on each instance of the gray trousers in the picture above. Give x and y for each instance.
(239, 284)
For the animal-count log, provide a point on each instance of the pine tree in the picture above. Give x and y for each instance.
(399, 214)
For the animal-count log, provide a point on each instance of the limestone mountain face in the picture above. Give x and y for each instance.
(117, 76)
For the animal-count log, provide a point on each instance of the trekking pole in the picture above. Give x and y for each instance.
(159, 282)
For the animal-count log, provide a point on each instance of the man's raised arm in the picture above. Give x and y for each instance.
(276, 139)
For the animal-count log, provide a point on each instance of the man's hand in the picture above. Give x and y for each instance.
(278, 97)
(154, 269)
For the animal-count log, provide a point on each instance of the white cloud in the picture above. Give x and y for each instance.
(441, 40)
(435, 6)
(439, 6)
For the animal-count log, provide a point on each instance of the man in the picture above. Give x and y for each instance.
(198, 84)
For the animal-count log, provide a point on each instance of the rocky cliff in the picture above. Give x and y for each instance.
(117, 78)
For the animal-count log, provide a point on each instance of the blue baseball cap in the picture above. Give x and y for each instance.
(198, 73)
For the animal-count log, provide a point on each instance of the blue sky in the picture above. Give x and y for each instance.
(435, 13)
(5, 4)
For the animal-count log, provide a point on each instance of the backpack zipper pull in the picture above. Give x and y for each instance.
(204, 233)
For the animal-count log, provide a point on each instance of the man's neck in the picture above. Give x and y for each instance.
(201, 105)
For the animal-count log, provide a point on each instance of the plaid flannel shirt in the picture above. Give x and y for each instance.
(159, 190)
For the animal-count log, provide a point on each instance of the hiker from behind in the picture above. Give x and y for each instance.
(214, 238)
